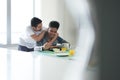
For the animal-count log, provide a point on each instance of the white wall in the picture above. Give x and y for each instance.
(57, 10)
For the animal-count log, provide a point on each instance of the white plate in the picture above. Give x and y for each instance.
(62, 54)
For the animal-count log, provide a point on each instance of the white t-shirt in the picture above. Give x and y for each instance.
(26, 39)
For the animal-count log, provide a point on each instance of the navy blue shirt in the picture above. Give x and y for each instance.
(45, 39)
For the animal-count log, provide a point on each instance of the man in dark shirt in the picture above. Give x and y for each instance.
(49, 35)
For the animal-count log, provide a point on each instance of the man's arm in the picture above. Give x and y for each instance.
(54, 38)
(38, 37)
(61, 40)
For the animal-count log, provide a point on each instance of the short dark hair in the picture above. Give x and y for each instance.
(35, 21)
(54, 24)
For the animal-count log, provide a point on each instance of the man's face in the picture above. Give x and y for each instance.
(39, 27)
(52, 32)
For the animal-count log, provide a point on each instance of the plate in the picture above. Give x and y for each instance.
(62, 54)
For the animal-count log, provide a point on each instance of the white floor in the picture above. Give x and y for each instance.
(13, 47)
(91, 72)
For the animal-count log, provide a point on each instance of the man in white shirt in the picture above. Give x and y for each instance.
(33, 33)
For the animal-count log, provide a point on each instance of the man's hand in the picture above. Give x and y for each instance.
(47, 45)
(56, 35)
